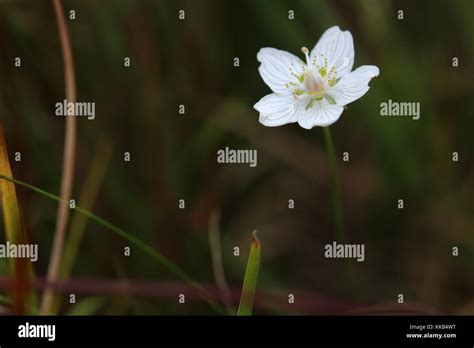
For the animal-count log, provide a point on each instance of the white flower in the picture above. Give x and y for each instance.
(312, 93)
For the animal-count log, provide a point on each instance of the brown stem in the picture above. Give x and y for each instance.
(68, 159)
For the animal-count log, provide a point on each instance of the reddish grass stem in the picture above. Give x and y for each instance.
(68, 160)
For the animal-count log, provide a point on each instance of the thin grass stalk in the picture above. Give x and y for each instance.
(68, 160)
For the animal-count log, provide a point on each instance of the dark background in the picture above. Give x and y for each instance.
(173, 156)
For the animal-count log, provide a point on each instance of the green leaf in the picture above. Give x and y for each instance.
(250, 279)
(330, 99)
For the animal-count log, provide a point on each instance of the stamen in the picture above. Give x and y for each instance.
(306, 53)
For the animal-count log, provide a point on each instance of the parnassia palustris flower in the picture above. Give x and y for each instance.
(312, 93)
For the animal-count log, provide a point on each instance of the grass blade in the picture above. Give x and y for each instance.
(20, 269)
(67, 176)
(143, 246)
(79, 221)
(250, 279)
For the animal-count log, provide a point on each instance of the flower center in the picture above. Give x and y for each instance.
(312, 83)
(314, 79)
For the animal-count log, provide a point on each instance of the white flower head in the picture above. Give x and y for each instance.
(312, 93)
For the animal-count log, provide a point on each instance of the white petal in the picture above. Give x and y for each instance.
(277, 67)
(337, 47)
(321, 113)
(354, 85)
(276, 110)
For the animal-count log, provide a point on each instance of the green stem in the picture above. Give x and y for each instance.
(137, 242)
(339, 233)
(336, 188)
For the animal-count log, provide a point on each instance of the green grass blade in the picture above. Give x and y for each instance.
(163, 260)
(250, 279)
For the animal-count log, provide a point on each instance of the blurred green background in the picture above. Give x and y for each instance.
(173, 156)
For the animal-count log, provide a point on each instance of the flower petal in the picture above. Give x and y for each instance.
(276, 110)
(354, 85)
(321, 113)
(278, 68)
(337, 47)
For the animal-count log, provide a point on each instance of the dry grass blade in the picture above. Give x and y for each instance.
(21, 269)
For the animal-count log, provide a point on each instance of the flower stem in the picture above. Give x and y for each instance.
(340, 236)
(336, 188)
